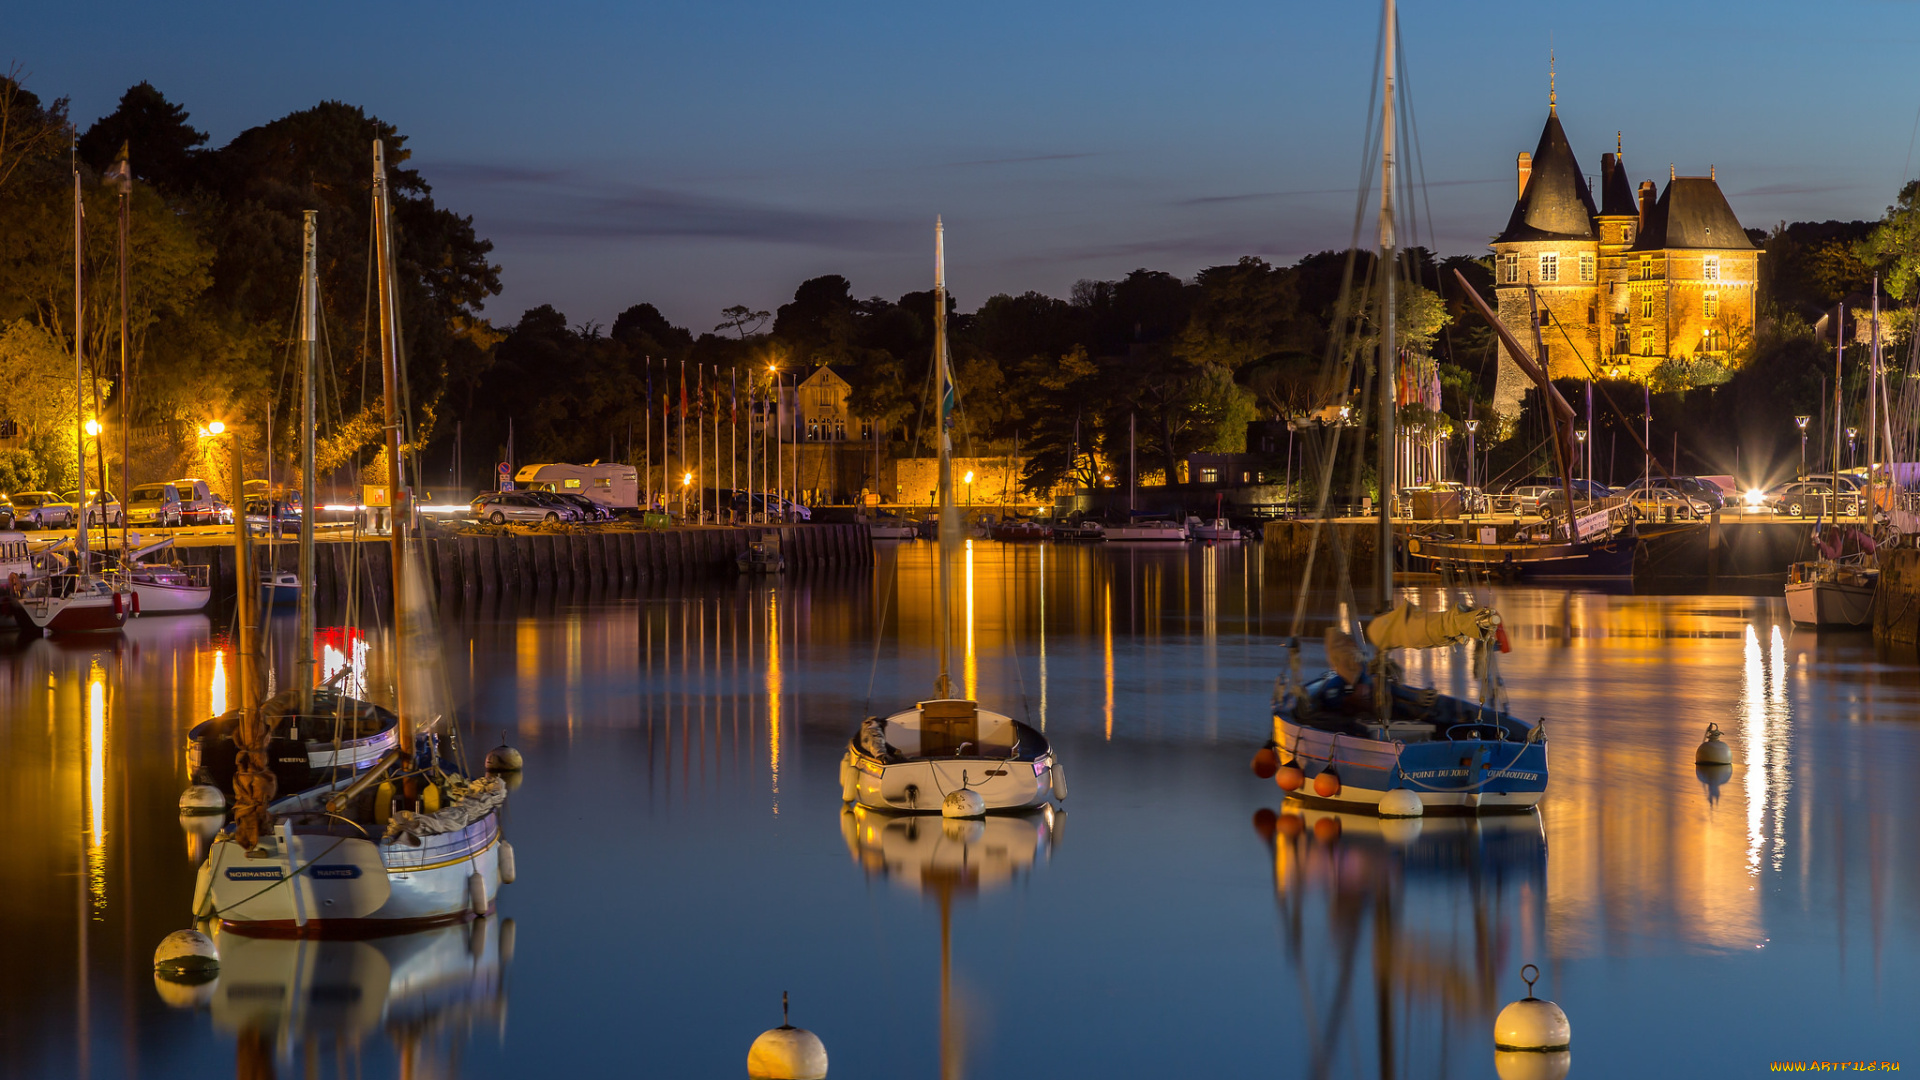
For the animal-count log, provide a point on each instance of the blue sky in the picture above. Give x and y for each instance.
(699, 155)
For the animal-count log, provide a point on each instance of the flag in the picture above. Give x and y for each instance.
(649, 381)
(700, 396)
(733, 397)
(952, 397)
(683, 390)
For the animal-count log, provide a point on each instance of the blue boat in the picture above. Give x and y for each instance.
(279, 588)
(1338, 749)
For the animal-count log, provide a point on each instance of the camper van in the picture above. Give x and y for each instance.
(617, 486)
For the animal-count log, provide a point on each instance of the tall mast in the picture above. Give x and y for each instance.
(1389, 396)
(1873, 396)
(79, 364)
(309, 347)
(122, 174)
(1839, 355)
(389, 382)
(949, 523)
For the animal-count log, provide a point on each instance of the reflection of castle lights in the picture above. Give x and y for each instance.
(97, 785)
(343, 648)
(971, 670)
(1764, 730)
(773, 692)
(218, 690)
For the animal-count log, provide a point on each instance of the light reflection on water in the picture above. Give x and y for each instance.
(684, 856)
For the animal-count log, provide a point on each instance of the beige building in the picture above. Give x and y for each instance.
(1622, 287)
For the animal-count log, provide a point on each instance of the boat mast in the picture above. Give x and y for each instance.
(309, 347)
(1839, 355)
(1389, 397)
(79, 364)
(949, 524)
(122, 175)
(1873, 397)
(389, 382)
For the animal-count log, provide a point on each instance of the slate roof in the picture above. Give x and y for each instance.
(1616, 191)
(1692, 213)
(1556, 204)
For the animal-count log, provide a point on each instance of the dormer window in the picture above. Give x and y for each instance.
(1549, 267)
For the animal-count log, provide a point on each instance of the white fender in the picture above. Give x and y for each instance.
(1058, 779)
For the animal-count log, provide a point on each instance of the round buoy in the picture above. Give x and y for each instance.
(849, 778)
(1530, 1024)
(503, 758)
(202, 800)
(1401, 803)
(1327, 784)
(1326, 829)
(1265, 821)
(964, 803)
(1265, 763)
(185, 995)
(1713, 751)
(187, 956)
(787, 1052)
(1290, 778)
(506, 863)
(477, 893)
(1532, 1065)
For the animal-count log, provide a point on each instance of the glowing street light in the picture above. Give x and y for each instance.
(216, 428)
(93, 429)
(1801, 423)
(1851, 432)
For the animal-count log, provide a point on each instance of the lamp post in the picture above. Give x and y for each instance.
(1472, 426)
(686, 482)
(1580, 454)
(1851, 432)
(1801, 423)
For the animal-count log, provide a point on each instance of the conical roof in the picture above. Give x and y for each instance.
(1556, 204)
(1616, 191)
(1692, 213)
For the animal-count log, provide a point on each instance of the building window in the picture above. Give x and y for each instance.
(1622, 341)
(1646, 305)
(1710, 341)
(1593, 313)
(1586, 266)
(866, 430)
(1646, 269)
(1646, 343)
(813, 430)
(1209, 474)
(1710, 268)
(1626, 234)
(839, 431)
(1509, 269)
(1710, 305)
(1549, 266)
(1245, 476)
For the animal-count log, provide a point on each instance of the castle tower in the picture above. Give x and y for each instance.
(1616, 227)
(1693, 273)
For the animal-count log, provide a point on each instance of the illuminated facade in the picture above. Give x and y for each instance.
(1623, 287)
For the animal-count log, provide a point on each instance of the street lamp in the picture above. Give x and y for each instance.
(1580, 436)
(1851, 432)
(968, 480)
(1801, 423)
(1472, 426)
(93, 429)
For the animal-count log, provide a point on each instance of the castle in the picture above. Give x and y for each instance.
(1623, 288)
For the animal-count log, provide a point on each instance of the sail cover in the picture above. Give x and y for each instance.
(1407, 628)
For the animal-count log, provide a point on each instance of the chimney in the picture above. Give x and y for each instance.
(1646, 203)
(1526, 170)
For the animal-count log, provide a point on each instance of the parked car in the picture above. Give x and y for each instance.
(1807, 498)
(1655, 502)
(266, 516)
(198, 506)
(6, 514)
(42, 510)
(155, 504)
(589, 510)
(567, 511)
(501, 507)
(1692, 487)
(102, 508)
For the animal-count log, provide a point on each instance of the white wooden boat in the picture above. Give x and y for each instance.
(1216, 530)
(1832, 594)
(1147, 530)
(910, 761)
(892, 529)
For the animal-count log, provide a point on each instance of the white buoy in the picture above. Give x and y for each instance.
(503, 758)
(477, 893)
(1713, 751)
(506, 863)
(1531, 1025)
(787, 1052)
(964, 803)
(201, 800)
(1058, 778)
(1401, 830)
(187, 955)
(1401, 803)
(185, 995)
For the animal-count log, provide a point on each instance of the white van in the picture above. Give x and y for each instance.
(617, 486)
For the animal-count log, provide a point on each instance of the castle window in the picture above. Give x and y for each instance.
(1209, 474)
(1622, 343)
(1710, 268)
(1646, 269)
(1586, 266)
(1593, 313)
(1710, 305)
(1509, 269)
(1646, 305)
(1646, 343)
(1710, 341)
(1626, 234)
(1549, 266)
(839, 431)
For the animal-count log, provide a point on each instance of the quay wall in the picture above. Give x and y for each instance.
(504, 560)
(1896, 603)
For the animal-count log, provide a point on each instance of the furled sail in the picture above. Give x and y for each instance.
(1407, 628)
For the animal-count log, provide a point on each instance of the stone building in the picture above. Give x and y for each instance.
(1624, 287)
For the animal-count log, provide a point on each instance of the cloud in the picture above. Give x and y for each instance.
(1021, 160)
(1792, 189)
(571, 204)
(1212, 200)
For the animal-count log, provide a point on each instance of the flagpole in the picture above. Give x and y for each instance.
(733, 437)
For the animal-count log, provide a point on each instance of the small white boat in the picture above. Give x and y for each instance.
(910, 761)
(165, 589)
(1216, 530)
(1832, 594)
(1082, 531)
(1151, 530)
(74, 603)
(279, 588)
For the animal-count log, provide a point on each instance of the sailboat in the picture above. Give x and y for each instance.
(165, 588)
(945, 754)
(81, 599)
(1362, 737)
(405, 844)
(1836, 590)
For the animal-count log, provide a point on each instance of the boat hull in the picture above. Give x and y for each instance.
(161, 599)
(1585, 560)
(1449, 775)
(918, 786)
(1139, 534)
(90, 614)
(1830, 604)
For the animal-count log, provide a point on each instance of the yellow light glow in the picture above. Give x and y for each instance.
(93, 428)
(773, 693)
(1106, 626)
(687, 479)
(97, 785)
(1755, 496)
(972, 669)
(218, 691)
(969, 477)
(216, 428)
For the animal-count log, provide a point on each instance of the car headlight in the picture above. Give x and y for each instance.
(1755, 496)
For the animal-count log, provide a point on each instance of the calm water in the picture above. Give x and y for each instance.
(684, 857)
